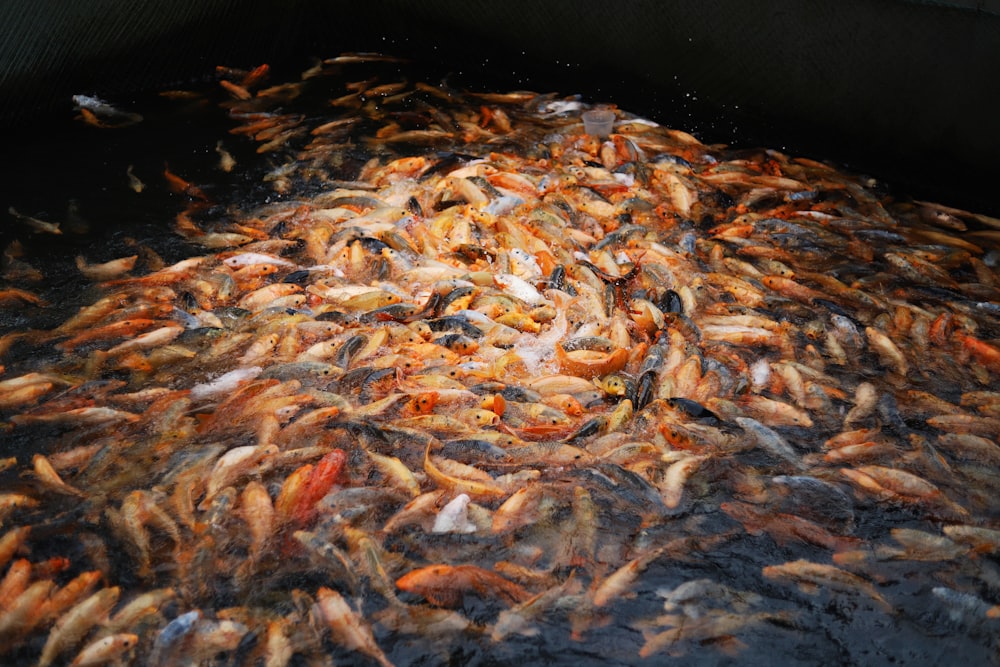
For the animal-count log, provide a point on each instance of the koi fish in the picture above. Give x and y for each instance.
(36, 225)
(444, 585)
(99, 113)
(812, 577)
(465, 350)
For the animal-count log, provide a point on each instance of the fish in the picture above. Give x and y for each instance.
(86, 415)
(13, 295)
(21, 615)
(453, 517)
(771, 441)
(226, 161)
(100, 113)
(37, 226)
(519, 618)
(446, 365)
(49, 478)
(75, 623)
(108, 270)
(141, 606)
(672, 486)
(920, 545)
(112, 331)
(134, 183)
(813, 577)
(258, 514)
(174, 632)
(708, 629)
(616, 583)
(887, 351)
(348, 626)
(786, 528)
(444, 585)
(105, 650)
(11, 542)
(225, 383)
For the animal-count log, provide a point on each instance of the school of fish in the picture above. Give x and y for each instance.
(472, 375)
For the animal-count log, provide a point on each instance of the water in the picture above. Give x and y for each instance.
(74, 164)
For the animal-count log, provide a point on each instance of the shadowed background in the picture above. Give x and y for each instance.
(905, 91)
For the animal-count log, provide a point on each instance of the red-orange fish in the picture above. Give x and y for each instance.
(444, 585)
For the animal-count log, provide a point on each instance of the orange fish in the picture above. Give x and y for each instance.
(318, 484)
(786, 529)
(179, 186)
(984, 353)
(114, 330)
(444, 585)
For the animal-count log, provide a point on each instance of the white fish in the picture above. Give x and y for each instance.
(108, 270)
(225, 383)
(556, 107)
(519, 289)
(454, 517)
(524, 265)
(769, 439)
(760, 373)
(253, 258)
(504, 204)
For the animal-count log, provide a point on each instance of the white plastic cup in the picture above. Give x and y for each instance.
(598, 122)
